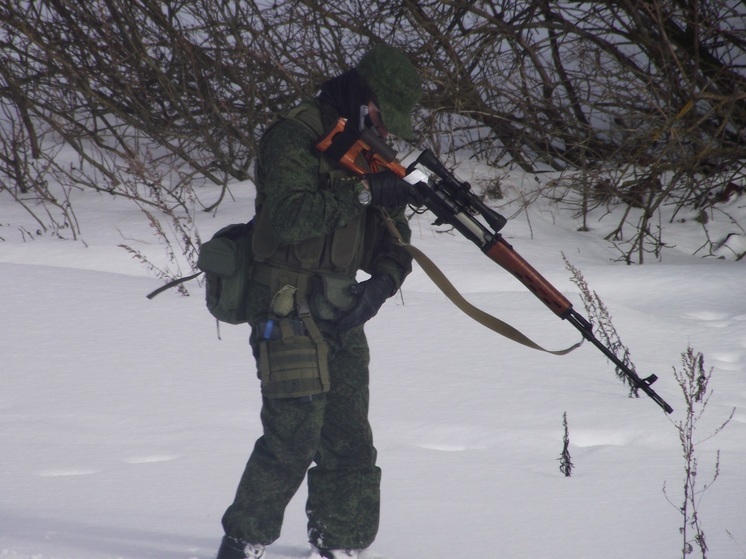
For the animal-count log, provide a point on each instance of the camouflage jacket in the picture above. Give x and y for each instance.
(308, 216)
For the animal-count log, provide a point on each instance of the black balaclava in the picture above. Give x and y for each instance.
(347, 93)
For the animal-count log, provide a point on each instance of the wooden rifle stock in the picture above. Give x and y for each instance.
(352, 149)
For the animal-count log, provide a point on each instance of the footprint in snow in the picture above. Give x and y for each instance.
(152, 458)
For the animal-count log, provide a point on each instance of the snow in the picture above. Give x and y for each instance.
(126, 422)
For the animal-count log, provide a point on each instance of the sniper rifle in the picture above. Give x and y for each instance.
(453, 202)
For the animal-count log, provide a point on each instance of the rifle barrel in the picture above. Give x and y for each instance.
(502, 253)
(584, 327)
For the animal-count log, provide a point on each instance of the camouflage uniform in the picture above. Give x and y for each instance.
(307, 205)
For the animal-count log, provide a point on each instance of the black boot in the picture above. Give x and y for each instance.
(231, 548)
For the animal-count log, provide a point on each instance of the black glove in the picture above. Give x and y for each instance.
(371, 294)
(389, 191)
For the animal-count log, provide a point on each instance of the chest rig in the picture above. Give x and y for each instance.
(324, 267)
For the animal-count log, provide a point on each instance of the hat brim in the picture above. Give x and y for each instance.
(395, 121)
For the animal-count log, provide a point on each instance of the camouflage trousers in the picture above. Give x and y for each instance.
(329, 433)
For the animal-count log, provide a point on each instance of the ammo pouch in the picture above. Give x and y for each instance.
(294, 365)
(333, 298)
(226, 260)
(293, 355)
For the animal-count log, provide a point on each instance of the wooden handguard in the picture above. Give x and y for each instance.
(502, 253)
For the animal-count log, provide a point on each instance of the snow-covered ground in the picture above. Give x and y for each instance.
(126, 422)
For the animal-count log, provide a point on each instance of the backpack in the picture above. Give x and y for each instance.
(226, 261)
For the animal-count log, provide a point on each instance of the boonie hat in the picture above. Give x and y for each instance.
(396, 85)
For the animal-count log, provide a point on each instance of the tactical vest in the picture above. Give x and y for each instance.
(339, 253)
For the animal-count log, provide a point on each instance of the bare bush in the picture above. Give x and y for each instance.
(566, 466)
(600, 317)
(580, 87)
(693, 380)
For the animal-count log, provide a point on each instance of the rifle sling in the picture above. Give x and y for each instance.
(448, 289)
(171, 284)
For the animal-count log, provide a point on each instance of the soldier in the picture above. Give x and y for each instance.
(316, 226)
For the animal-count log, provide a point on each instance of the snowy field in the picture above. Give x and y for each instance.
(126, 422)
